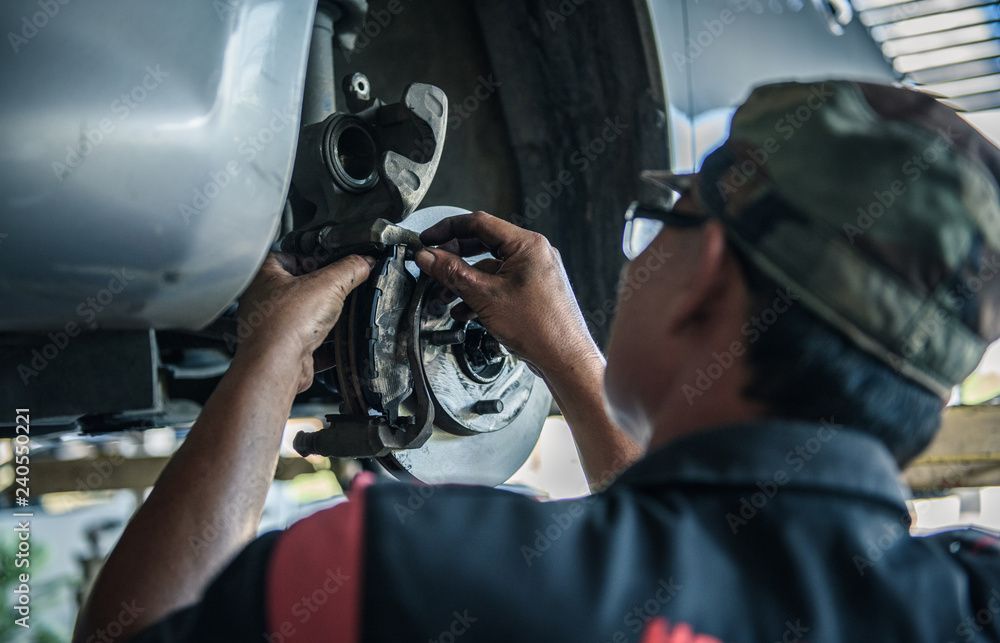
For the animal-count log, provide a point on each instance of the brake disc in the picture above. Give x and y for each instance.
(489, 407)
(402, 362)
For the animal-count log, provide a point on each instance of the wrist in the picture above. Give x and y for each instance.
(282, 355)
(581, 372)
(575, 357)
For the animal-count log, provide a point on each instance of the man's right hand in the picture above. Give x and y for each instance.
(521, 295)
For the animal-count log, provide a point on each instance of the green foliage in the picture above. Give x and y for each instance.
(38, 633)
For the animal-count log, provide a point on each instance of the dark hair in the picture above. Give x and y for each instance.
(801, 368)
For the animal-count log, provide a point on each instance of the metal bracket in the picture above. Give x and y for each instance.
(377, 163)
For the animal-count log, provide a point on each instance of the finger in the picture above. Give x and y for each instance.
(452, 271)
(496, 234)
(344, 275)
(440, 294)
(463, 312)
(490, 265)
(465, 247)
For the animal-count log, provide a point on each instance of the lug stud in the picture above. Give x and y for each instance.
(488, 407)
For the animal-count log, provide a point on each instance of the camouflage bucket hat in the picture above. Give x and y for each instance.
(877, 207)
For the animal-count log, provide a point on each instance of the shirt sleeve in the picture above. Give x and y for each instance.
(303, 584)
(231, 609)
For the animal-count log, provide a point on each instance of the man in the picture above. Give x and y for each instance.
(783, 343)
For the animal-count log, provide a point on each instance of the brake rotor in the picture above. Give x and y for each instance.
(488, 407)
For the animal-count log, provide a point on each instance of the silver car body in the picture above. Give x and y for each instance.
(145, 155)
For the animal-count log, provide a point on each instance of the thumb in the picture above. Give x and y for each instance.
(342, 276)
(451, 270)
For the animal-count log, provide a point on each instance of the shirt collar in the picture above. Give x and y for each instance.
(803, 455)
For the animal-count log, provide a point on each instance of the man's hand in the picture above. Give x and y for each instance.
(231, 451)
(284, 310)
(522, 295)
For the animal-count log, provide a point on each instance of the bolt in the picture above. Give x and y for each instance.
(488, 407)
(360, 87)
(446, 337)
(358, 91)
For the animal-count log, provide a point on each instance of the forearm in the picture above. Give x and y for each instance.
(578, 388)
(206, 504)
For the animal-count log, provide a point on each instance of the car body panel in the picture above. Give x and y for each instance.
(715, 51)
(145, 156)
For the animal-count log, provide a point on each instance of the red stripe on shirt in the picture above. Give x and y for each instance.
(314, 575)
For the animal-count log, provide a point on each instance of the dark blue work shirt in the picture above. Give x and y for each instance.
(771, 531)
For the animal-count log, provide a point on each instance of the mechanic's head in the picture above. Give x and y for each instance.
(837, 259)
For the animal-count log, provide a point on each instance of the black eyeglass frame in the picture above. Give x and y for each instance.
(655, 212)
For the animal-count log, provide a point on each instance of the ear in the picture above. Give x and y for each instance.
(712, 277)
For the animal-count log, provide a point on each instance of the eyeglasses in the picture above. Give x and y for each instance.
(643, 222)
